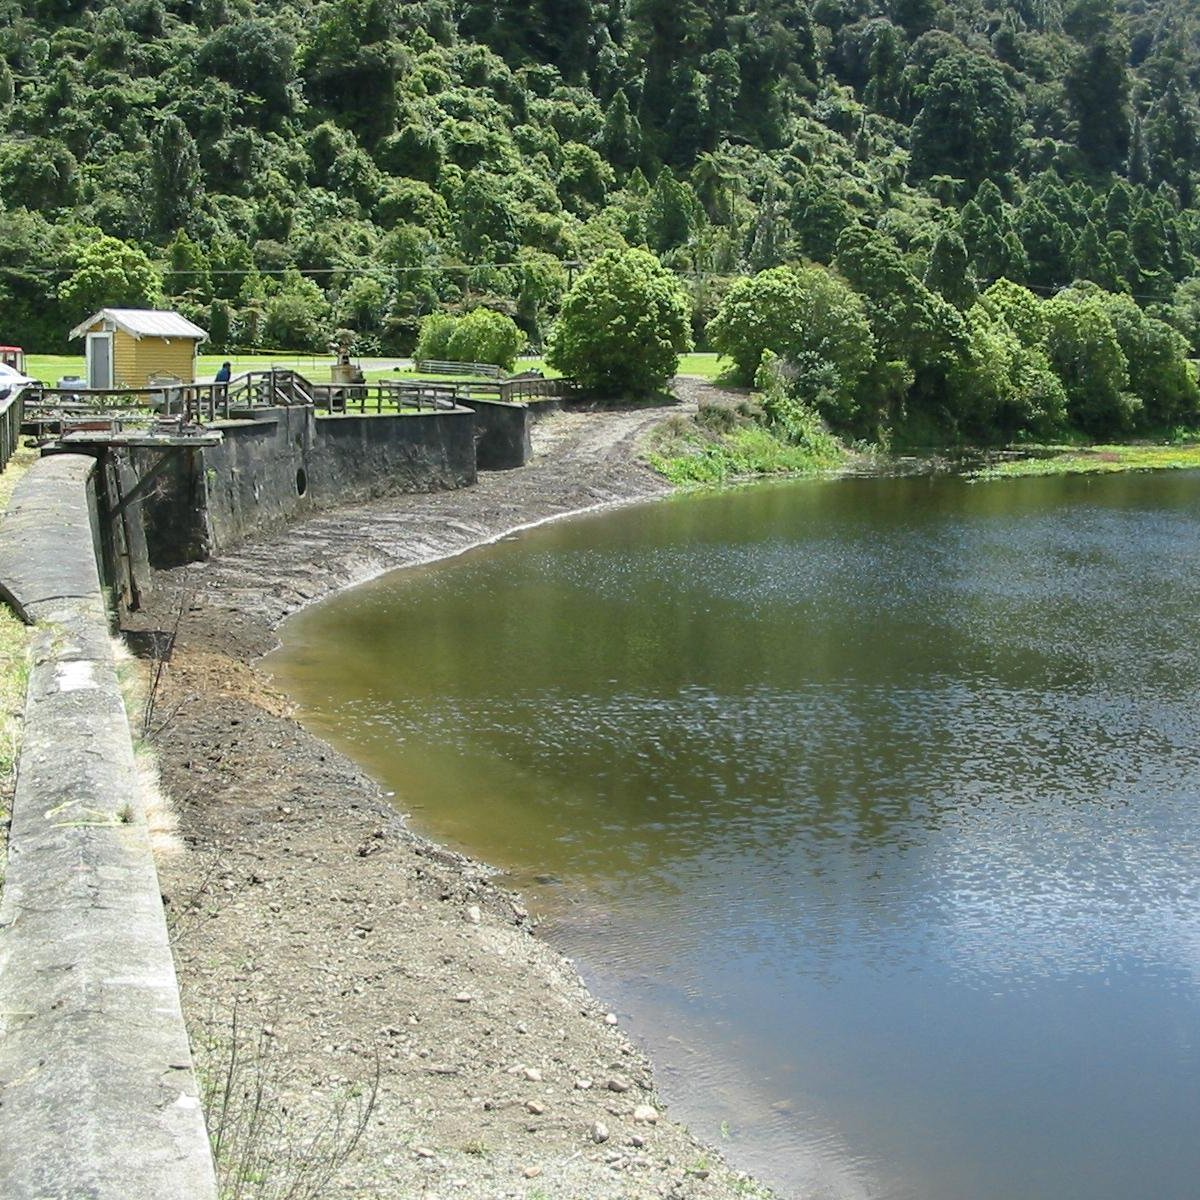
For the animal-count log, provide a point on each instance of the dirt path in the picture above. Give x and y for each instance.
(341, 940)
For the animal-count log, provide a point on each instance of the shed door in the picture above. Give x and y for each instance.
(100, 360)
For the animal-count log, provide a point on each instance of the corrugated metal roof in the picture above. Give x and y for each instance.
(144, 322)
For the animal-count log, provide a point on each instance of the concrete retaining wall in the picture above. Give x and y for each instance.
(502, 440)
(502, 430)
(98, 1099)
(286, 462)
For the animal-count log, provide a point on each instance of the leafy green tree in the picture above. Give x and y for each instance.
(910, 322)
(1151, 248)
(362, 306)
(110, 274)
(230, 261)
(486, 220)
(175, 181)
(298, 316)
(585, 178)
(621, 138)
(1160, 375)
(31, 247)
(768, 240)
(187, 270)
(1049, 243)
(1018, 308)
(623, 325)
(1183, 313)
(38, 173)
(351, 64)
(220, 326)
(812, 320)
(968, 122)
(417, 151)
(949, 272)
(819, 216)
(1092, 261)
(1173, 138)
(1003, 385)
(717, 185)
(722, 79)
(257, 56)
(1083, 349)
(886, 92)
(672, 213)
(759, 313)
(1097, 91)
(542, 283)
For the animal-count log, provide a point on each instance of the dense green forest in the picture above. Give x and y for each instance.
(278, 170)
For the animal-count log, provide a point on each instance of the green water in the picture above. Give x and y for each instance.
(871, 805)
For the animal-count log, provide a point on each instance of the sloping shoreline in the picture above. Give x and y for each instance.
(304, 904)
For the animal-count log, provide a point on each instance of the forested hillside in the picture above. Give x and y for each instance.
(284, 169)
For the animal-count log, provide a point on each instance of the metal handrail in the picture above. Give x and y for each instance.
(199, 403)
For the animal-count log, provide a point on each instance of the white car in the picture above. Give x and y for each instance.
(12, 382)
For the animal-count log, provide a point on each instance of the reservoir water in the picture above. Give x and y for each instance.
(871, 805)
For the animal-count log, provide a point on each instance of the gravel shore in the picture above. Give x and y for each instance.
(360, 973)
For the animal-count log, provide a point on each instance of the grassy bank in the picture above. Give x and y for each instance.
(1080, 460)
(728, 440)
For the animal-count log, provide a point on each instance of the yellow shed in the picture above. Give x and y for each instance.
(132, 347)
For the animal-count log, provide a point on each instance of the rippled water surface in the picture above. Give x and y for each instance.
(871, 804)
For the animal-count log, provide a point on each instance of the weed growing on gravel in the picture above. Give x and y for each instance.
(153, 802)
(262, 1150)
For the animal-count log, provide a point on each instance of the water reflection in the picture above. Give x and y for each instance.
(873, 802)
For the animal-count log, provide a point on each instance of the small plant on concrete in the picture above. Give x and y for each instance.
(15, 639)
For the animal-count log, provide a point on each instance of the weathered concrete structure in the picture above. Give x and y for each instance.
(99, 1099)
(283, 462)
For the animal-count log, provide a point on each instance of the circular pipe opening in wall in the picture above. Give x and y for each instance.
(301, 482)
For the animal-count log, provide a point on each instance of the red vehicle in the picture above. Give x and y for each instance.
(13, 356)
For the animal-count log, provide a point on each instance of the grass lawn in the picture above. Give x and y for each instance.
(707, 366)
(50, 368)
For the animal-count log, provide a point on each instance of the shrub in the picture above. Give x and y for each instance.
(486, 336)
(434, 338)
(622, 326)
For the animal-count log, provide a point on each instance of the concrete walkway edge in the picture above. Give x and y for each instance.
(98, 1098)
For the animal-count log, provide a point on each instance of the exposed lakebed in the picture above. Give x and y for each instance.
(873, 803)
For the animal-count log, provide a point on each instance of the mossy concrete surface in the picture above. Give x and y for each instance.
(98, 1098)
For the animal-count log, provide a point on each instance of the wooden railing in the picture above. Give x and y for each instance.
(513, 391)
(59, 410)
(435, 366)
(385, 396)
